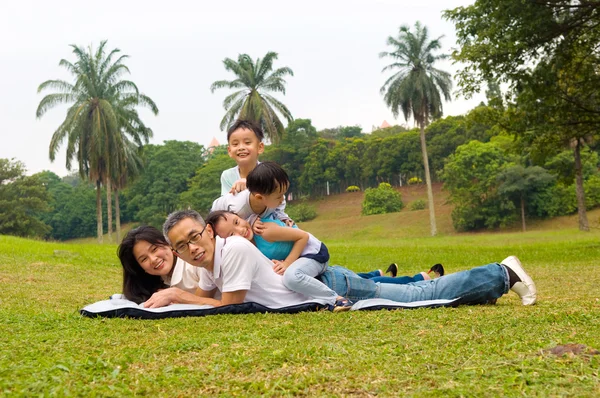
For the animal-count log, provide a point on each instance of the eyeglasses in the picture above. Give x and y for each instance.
(184, 246)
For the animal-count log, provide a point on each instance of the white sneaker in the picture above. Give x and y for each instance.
(526, 288)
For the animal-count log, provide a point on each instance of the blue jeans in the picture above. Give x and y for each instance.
(475, 286)
(300, 277)
(375, 276)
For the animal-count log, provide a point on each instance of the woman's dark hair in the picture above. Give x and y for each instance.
(266, 178)
(214, 216)
(138, 286)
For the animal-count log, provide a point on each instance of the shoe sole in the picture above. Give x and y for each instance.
(515, 265)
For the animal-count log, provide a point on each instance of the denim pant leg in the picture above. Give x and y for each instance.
(369, 275)
(474, 286)
(347, 284)
(300, 277)
(399, 280)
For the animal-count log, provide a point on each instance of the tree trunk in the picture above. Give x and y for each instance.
(523, 212)
(428, 180)
(109, 208)
(117, 216)
(99, 211)
(581, 211)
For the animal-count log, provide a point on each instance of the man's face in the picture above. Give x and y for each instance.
(193, 243)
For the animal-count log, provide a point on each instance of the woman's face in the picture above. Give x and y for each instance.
(154, 259)
(234, 225)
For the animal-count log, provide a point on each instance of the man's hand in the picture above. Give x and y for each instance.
(238, 186)
(289, 222)
(258, 228)
(280, 266)
(163, 298)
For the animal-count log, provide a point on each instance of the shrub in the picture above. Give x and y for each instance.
(418, 204)
(381, 200)
(415, 180)
(352, 188)
(301, 212)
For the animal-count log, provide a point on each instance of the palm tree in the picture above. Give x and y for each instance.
(101, 114)
(415, 88)
(130, 166)
(251, 101)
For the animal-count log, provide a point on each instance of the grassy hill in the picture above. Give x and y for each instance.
(339, 218)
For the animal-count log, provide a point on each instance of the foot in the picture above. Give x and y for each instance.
(342, 304)
(393, 269)
(425, 276)
(526, 287)
(437, 269)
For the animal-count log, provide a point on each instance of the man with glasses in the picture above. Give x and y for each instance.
(233, 267)
(241, 273)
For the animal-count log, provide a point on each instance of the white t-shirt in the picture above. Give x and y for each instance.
(238, 265)
(184, 276)
(238, 204)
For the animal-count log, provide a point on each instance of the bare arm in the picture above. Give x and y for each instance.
(273, 232)
(174, 295)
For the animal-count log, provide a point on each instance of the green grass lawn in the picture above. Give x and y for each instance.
(47, 348)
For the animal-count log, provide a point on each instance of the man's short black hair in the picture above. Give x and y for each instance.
(246, 124)
(266, 178)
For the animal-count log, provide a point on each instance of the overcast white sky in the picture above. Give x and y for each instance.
(177, 48)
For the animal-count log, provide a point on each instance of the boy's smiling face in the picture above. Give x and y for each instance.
(244, 147)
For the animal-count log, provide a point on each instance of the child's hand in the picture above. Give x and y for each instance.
(238, 186)
(279, 266)
(258, 228)
(289, 222)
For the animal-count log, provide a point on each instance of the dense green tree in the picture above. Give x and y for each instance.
(314, 177)
(522, 184)
(254, 81)
(22, 201)
(447, 134)
(72, 207)
(341, 132)
(417, 87)
(101, 116)
(292, 152)
(388, 131)
(205, 186)
(547, 53)
(470, 175)
(168, 168)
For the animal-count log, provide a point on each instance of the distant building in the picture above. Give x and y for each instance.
(213, 144)
(385, 125)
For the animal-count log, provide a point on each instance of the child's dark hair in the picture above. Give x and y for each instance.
(266, 178)
(246, 124)
(214, 216)
(138, 286)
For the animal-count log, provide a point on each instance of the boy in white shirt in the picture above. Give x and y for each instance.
(245, 144)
